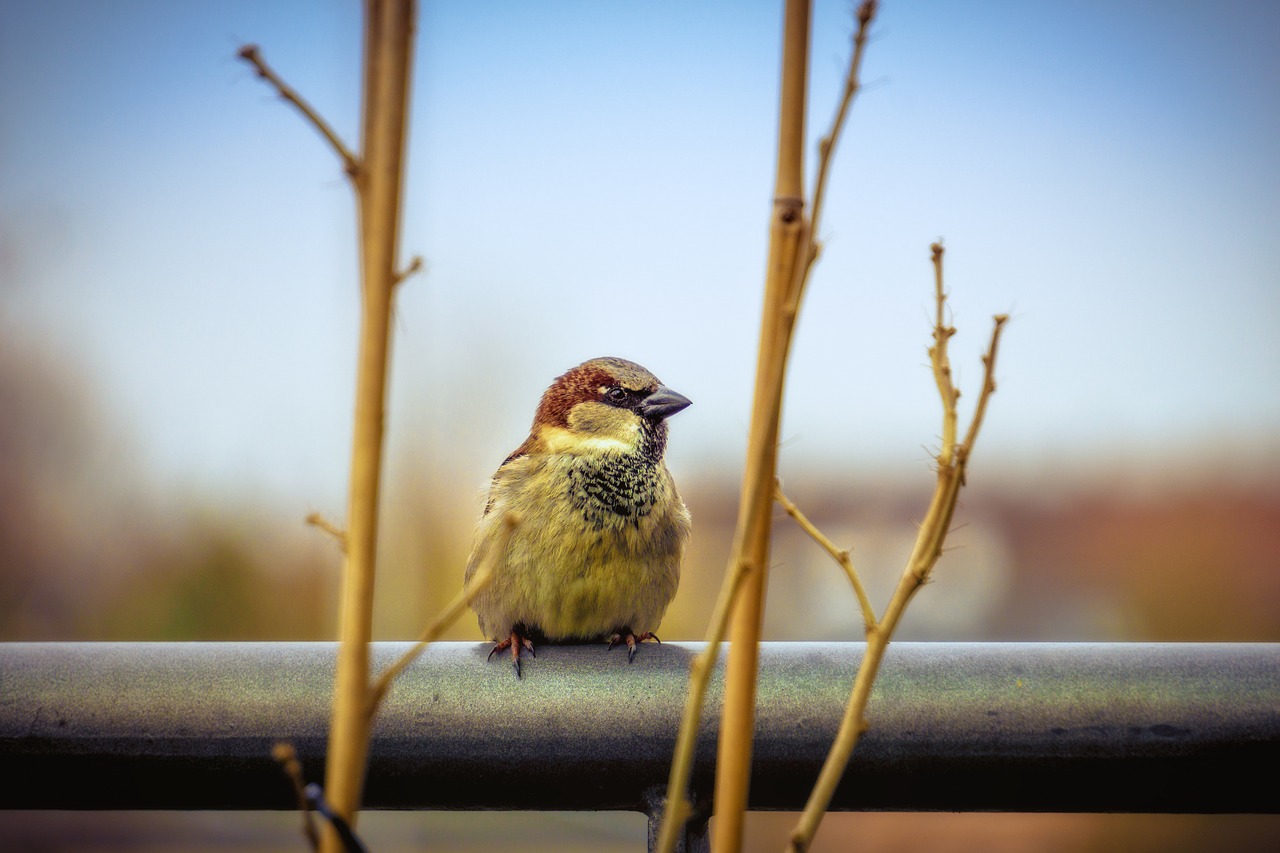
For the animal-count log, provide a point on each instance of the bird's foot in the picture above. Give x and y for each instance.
(516, 642)
(625, 635)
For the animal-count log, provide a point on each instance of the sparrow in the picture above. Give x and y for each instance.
(596, 554)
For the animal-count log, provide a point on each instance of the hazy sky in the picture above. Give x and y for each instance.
(594, 178)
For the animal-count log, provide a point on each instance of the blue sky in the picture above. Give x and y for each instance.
(594, 178)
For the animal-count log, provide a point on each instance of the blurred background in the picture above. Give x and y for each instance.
(178, 297)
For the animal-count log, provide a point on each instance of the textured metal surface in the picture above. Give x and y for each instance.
(1009, 727)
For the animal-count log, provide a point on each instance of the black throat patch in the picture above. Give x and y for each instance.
(611, 489)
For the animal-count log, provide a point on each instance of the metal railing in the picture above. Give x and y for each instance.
(954, 727)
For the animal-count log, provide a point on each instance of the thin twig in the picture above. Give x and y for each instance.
(317, 520)
(924, 556)
(942, 333)
(852, 727)
(753, 531)
(792, 250)
(678, 807)
(826, 151)
(481, 579)
(988, 383)
(415, 266)
(284, 753)
(840, 555)
(250, 53)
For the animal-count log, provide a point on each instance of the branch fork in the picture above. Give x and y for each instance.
(952, 458)
(793, 250)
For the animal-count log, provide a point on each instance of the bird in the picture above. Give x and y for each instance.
(602, 529)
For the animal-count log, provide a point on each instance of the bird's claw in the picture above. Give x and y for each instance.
(631, 639)
(516, 642)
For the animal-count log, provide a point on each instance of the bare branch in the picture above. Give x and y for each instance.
(988, 384)
(826, 149)
(482, 578)
(942, 363)
(677, 809)
(927, 550)
(250, 54)
(840, 555)
(317, 520)
(284, 753)
(751, 539)
(792, 251)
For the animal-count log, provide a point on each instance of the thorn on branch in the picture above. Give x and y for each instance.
(415, 266)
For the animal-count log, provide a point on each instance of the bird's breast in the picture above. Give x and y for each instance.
(615, 490)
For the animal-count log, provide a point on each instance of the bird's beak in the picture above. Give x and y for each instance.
(662, 403)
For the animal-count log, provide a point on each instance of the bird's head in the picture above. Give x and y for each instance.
(606, 404)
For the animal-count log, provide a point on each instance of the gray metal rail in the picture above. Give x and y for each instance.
(955, 727)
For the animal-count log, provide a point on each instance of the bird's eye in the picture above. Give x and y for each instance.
(616, 395)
